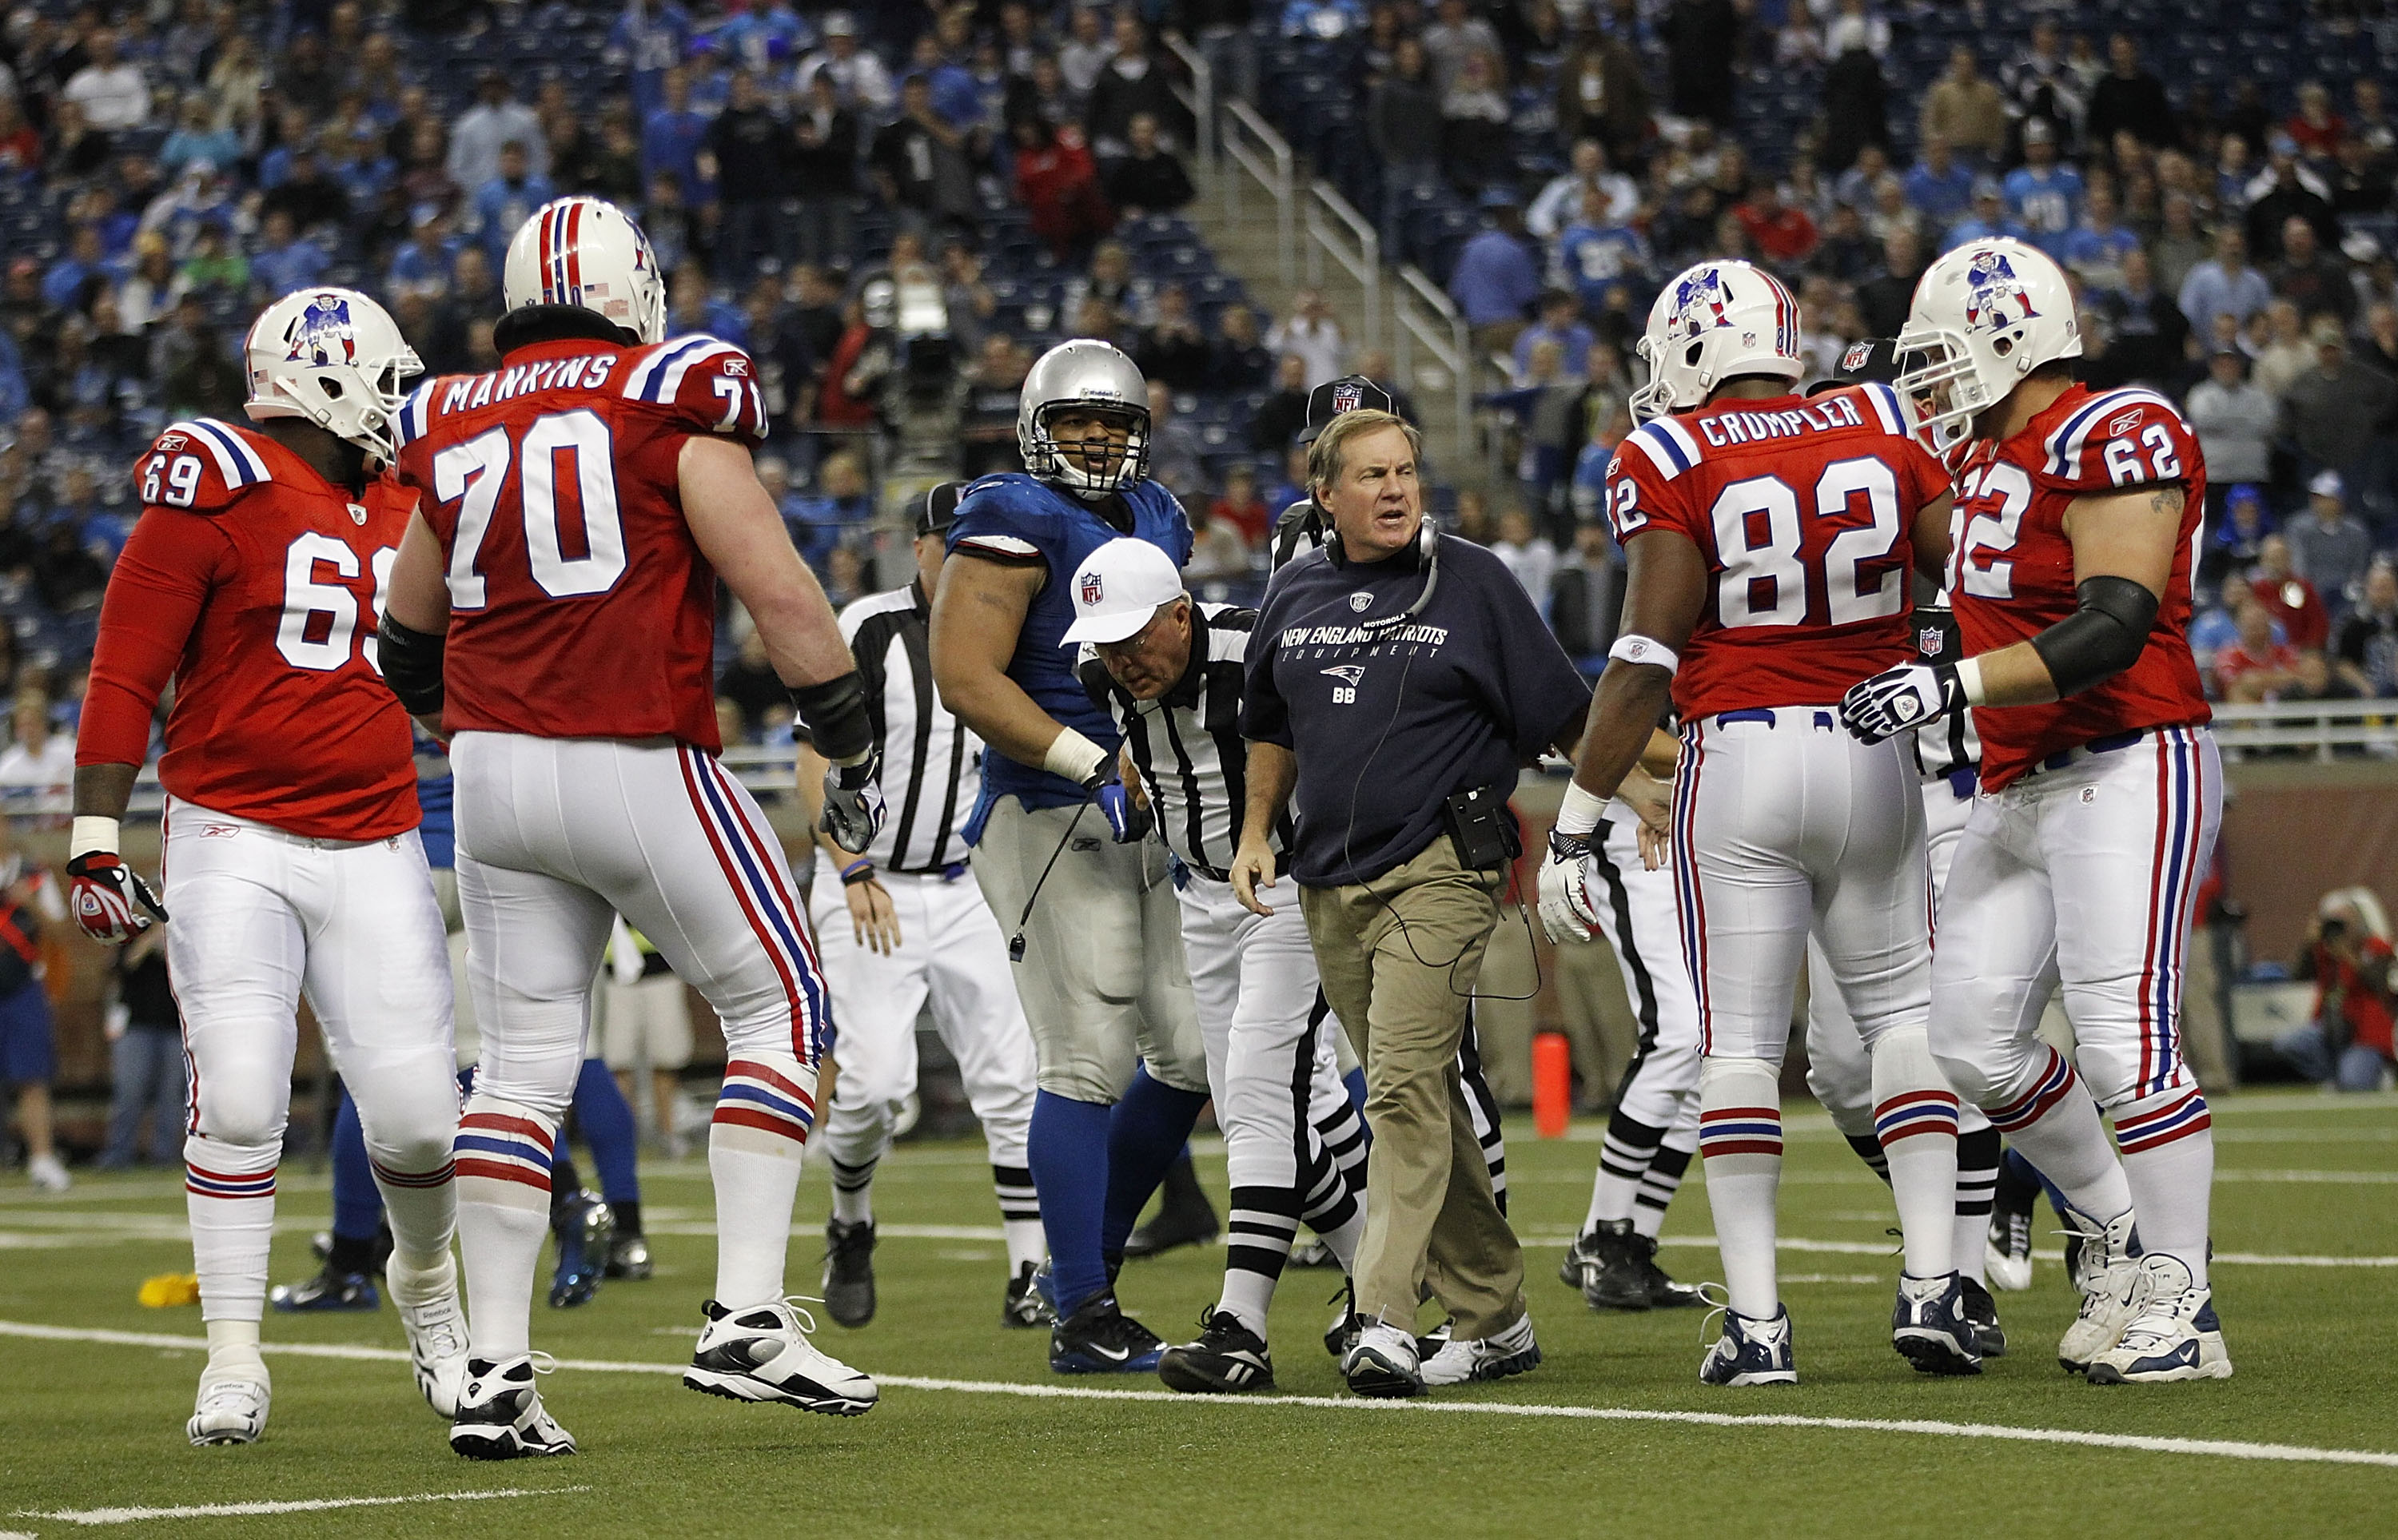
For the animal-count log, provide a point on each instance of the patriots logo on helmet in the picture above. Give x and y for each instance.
(322, 333)
(1698, 300)
(1092, 589)
(1990, 287)
(1346, 397)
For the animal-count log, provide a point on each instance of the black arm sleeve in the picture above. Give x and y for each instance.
(412, 665)
(835, 715)
(2101, 638)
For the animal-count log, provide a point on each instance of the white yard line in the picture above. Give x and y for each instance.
(2211, 1447)
(312, 1505)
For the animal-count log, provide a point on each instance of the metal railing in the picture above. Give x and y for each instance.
(1254, 148)
(1200, 96)
(1426, 317)
(2314, 729)
(1335, 229)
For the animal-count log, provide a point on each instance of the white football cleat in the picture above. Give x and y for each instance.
(2105, 1271)
(48, 1173)
(231, 1408)
(763, 1354)
(1512, 1351)
(1383, 1361)
(2006, 1255)
(2173, 1334)
(436, 1325)
(500, 1414)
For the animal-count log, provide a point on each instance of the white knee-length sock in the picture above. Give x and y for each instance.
(2168, 1144)
(755, 1145)
(503, 1185)
(1740, 1139)
(1915, 1118)
(229, 1195)
(2056, 1124)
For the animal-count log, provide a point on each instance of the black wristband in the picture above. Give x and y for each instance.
(860, 870)
(2101, 638)
(412, 665)
(834, 714)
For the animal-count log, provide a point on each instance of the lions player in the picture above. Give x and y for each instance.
(582, 499)
(1771, 540)
(2101, 789)
(291, 852)
(1098, 948)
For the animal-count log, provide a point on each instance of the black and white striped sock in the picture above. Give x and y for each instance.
(1019, 1215)
(1869, 1150)
(853, 1191)
(1257, 1242)
(1623, 1158)
(1657, 1187)
(1978, 1155)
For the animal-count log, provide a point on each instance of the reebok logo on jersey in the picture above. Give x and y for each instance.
(2122, 427)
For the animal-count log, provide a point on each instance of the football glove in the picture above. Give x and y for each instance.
(1128, 822)
(1898, 699)
(852, 803)
(1566, 909)
(110, 901)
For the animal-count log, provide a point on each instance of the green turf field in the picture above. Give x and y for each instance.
(1600, 1440)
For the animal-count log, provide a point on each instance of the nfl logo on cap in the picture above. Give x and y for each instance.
(1346, 396)
(1093, 590)
(1855, 359)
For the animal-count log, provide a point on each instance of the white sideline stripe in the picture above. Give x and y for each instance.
(310, 1504)
(2216, 1448)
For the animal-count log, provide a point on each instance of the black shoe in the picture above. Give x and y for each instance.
(1342, 1335)
(1981, 1312)
(1613, 1278)
(329, 1289)
(1024, 1307)
(849, 1272)
(1664, 1293)
(1184, 1216)
(1099, 1338)
(1573, 1268)
(1227, 1357)
(583, 1225)
(628, 1257)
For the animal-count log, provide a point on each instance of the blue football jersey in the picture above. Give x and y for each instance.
(1017, 518)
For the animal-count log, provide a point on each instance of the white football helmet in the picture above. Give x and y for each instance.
(1985, 315)
(335, 358)
(585, 252)
(1713, 321)
(1089, 374)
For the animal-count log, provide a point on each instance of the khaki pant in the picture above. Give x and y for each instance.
(1400, 957)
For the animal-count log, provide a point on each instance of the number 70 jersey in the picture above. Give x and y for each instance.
(1803, 510)
(580, 606)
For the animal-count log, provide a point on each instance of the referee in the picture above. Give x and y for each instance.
(906, 923)
(1171, 674)
(1398, 682)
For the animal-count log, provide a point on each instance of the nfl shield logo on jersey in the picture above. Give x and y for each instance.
(1093, 590)
(1994, 296)
(1930, 641)
(1361, 602)
(322, 335)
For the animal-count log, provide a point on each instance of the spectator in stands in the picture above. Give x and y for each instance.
(672, 138)
(2365, 648)
(1495, 281)
(2043, 193)
(842, 504)
(1988, 220)
(2093, 249)
(2257, 666)
(1239, 360)
(27, 1054)
(37, 758)
(2225, 283)
(753, 153)
(1219, 554)
(987, 415)
(2315, 127)
(2360, 182)
(2040, 83)
(1086, 51)
(1780, 232)
(1475, 150)
(2234, 539)
(2370, 121)
(1594, 253)
(1561, 202)
(2348, 955)
(1454, 36)
(823, 170)
(1278, 419)
(2286, 190)
(1058, 185)
(484, 131)
(650, 37)
(1403, 124)
(2281, 350)
(1133, 83)
(2313, 280)
(2128, 99)
(2180, 245)
(857, 73)
(1560, 322)
(1940, 184)
(1313, 332)
(1150, 179)
(1172, 347)
(502, 203)
(196, 137)
(1602, 99)
(1528, 554)
(1846, 253)
(1548, 432)
(1963, 111)
(2287, 597)
(110, 89)
(2329, 548)
(2335, 409)
(1885, 298)
(1240, 506)
(1856, 111)
(201, 378)
(1174, 448)
(284, 261)
(313, 200)
(918, 165)
(2234, 421)
(1703, 40)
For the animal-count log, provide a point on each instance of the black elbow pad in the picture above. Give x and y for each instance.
(412, 665)
(2101, 638)
(834, 714)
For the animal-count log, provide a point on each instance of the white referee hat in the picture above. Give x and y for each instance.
(1118, 587)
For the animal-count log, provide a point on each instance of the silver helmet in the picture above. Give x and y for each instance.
(1083, 374)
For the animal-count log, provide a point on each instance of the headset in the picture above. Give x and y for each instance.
(1426, 557)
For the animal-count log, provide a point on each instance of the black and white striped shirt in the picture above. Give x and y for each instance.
(1187, 742)
(932, 764)
(1300, 531)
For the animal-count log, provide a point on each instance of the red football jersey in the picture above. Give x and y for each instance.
(580, 606)
(1805, 510)
(256, 584)
(2010, 574)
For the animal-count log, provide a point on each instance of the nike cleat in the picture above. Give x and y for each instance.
(1752, 1351)
(1929, 1329)
(849, 1272)
(1981, 1312)
(2173, 1334)
(2006, 1256)
(1227, 1357)
(763, 1354)
(2104, 1266)
(1099, 1338)
(1024, 1308)
(583, 1224)
(628, 1258)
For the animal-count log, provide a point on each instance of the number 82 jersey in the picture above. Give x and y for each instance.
(255, 583)
(2010, 571)
(1804, 510)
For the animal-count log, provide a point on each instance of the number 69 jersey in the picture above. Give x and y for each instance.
(580, 606)
(2010, 571)
(1805, 510)
(256, 584)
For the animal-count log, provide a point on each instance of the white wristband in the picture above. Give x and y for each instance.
(91, 834)
(1644, 650)
(1581, 810)
(1072, 756)
(1969, 675)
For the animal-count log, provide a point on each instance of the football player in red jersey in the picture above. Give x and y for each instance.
(554, 607)
(2101, 789)
(252, 579)
(1771, 540)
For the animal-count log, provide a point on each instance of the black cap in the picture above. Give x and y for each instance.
(940, 509)
(1350, 393)
(1872, 361)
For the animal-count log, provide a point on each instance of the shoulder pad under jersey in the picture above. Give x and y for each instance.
(199, 465)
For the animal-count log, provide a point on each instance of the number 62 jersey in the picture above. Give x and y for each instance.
(255, 584)
(2010, 573)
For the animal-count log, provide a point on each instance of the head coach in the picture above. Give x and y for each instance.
(1398, 680)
